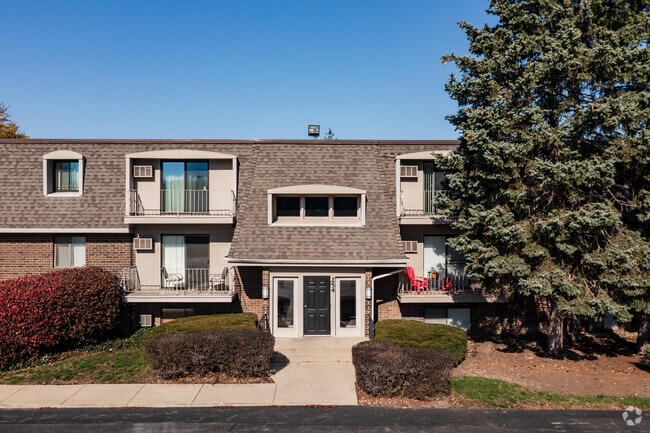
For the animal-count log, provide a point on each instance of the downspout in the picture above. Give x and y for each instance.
(372, 315)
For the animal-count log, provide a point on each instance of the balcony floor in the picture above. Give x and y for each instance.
(180, 297)
(443, 297)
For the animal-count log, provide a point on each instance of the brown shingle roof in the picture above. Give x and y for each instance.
(279, 165)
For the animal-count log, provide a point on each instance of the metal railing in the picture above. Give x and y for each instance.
(420, 203)
(456, 281)
(180, 202)
(178, 281)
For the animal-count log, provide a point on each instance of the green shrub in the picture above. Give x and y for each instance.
(236, 352)
(213, 322)
(384, 369)
(410, 333)
(645, 357)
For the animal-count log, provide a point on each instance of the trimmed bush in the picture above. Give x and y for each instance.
(387, 370)
(411, 333)
(215, 322)
(236, 352)
(66, 308)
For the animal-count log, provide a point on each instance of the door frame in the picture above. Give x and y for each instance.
(280, 273)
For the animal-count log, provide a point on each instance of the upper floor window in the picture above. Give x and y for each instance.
(63, 173)
(66, 176)
(316, 205)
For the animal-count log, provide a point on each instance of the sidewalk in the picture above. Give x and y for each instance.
(309, 371)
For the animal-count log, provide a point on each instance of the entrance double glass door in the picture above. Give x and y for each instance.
(317, 305)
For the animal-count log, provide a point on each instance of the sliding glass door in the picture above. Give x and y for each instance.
(186, 262)
(185, 186)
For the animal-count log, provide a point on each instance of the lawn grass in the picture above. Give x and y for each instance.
(118, 361)
(493, 393)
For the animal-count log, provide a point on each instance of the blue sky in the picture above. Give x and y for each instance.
(231, 69)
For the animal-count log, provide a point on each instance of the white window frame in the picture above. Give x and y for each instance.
(329, 220)
(80, 240)
(49, 187)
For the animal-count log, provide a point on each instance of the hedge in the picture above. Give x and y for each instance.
(236, 352)
(387, 370)
(411, 333)
(62, 309)
(213, 322)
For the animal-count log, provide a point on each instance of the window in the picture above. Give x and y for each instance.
(348, 303)
(317, 206)
(66, 176)
(186, 262)
(285, 304)
(288, 206)
(458, 317)
(63, 174)
(346, 206)
(316, 209)
(69, 251)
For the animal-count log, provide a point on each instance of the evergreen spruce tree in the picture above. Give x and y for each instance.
(552, 175)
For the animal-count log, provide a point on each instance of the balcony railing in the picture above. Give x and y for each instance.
(180, 202)
(416, 204)
(194, 281)
(454, 282)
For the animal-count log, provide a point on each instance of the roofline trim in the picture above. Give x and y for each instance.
(222, 141)
(315, 263)
(180, 154)
(426, 155)
(315, 189)
(62, 230)
(63, 154)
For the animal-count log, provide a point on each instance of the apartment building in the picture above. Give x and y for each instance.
(314, 236)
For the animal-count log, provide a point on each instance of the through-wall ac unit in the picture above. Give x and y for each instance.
(142, 243)
(410, 246)
(142, 171)
(409, 171)
(143, 321)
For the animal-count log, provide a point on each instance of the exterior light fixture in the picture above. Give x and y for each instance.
(265, 292)
(313, 130)
(368, 292)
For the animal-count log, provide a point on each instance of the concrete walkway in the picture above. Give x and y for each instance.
(306, 371)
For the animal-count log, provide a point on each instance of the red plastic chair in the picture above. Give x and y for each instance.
(447, 285)
(416, 282)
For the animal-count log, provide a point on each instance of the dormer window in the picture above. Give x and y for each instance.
(63, 174)
(317, 205)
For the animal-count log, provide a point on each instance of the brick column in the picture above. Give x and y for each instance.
(368, 302)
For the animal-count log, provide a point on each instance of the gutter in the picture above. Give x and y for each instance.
(297, 262)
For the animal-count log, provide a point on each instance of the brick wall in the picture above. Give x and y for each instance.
(248, 283)
(32, 254)
(25, 255)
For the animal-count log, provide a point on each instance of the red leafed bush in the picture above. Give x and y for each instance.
(65, 308)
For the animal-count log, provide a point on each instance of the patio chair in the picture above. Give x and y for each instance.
(416, 282)
(172, 279)
(218, 282)
(447, 285)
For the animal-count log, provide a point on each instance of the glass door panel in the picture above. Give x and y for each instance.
(348, 303)
(173, 186)
(197, 261)
(286, 303)
(434, 255)
(173, 261)
(196, 185)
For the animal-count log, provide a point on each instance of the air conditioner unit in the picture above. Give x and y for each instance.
(142, 171)
(410, 246)
(143, 321)
(409, 171)
(142, 243)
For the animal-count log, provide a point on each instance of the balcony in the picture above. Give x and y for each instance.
(418, 207)
(179, 206)
(177, 285)
(453, 288)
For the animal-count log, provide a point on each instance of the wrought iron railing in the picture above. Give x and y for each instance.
(420, 203)
(178, 281)
(455, 281)
(180, 202)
